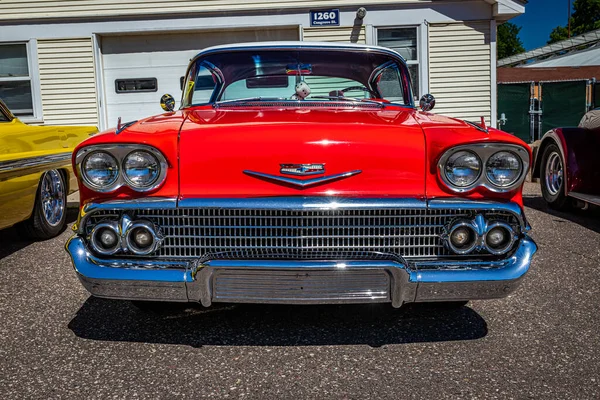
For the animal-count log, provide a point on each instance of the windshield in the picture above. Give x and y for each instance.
(327, 74)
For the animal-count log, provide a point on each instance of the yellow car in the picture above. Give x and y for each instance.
(36, 174)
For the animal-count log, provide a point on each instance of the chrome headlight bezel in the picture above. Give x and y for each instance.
(85, 175)
(119, 152)
(485, 151)
(129, 181)
(477, 177)
(495, 183)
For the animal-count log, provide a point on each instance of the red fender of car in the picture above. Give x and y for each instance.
(159, 131)
(579, 150)
(443, 133)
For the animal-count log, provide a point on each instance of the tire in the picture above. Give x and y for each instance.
(49, 215)
(552, 178)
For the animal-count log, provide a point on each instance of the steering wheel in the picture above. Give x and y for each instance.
(363, 88)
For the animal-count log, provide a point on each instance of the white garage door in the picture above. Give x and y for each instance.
(139, 69)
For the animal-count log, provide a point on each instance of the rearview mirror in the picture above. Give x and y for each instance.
(427, 102)
(167, 102)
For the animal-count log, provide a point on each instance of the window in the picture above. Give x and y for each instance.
(404, 41)
(389, 84)
(136, 85)
(15, 79)
(266, 74)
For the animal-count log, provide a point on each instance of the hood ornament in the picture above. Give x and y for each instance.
(301, 183)
(121, 127)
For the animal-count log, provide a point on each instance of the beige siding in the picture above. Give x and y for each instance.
(68, 82)
(460, 69)
(40, 9)
(337, 34)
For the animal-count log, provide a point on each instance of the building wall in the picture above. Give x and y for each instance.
(44, 9)
(336, 34)
(455, 57)
(67, 81)
(460, 60)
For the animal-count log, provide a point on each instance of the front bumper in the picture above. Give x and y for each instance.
(300, 282)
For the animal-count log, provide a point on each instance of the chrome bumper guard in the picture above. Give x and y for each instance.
(300, 282)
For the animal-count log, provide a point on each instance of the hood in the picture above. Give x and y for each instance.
(344, 152)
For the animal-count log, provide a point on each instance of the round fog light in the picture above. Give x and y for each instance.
(105, 239)
(499, 238)
(462, 238)
(142, 237)
(108, 238)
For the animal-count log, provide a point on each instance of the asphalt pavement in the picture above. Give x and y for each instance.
(541, 342)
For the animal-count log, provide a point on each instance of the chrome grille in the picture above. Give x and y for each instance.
(210, 233)
(245, 285)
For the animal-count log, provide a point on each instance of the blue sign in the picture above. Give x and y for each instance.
(325, 18)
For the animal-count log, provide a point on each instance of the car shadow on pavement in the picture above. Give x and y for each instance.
(276, 325)
(12, 241)
(589, 219)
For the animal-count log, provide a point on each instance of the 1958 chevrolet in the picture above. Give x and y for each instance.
(301, 173)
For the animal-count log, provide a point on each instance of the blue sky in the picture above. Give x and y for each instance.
(541, 16)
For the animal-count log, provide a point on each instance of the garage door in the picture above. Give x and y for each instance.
(139, 69)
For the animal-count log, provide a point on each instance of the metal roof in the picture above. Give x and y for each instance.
(587, 39)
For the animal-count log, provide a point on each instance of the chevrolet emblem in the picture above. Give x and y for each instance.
(302, 169)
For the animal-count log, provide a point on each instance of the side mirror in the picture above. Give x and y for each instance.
(427, 102)
(167, 102)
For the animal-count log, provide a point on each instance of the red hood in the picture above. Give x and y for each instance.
(395, 149)
(217, 146)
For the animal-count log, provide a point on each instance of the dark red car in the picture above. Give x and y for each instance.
(568, 164)
(301, 173)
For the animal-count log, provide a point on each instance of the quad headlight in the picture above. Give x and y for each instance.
(504, 168)
(141, 169)
(498, 167)
(105, 168)
(100, 170)
(463, 168)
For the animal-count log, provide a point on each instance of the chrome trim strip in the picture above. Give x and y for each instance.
(6, 111)
(303, 203)
(302, 183)
(34, 161)
(30, 165)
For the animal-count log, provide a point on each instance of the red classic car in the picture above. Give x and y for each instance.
(568, 165)
(301, 173)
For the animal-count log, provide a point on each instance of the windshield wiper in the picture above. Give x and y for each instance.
(249, 99)
(352, 99)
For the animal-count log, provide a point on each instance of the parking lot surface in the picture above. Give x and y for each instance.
(542, 342)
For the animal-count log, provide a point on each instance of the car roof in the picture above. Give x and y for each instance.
(297, 45)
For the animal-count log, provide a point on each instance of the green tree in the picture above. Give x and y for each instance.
(586, 17)
(509, 42)
(559, 33)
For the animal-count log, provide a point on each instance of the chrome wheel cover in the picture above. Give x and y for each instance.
(52, 197)
(554, 173)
